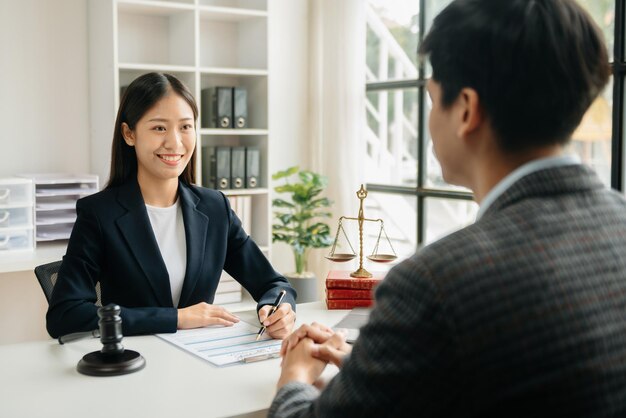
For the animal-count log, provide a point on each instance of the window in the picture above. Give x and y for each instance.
(402, 173)
(592, 140)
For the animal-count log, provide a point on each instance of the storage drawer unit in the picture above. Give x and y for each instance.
(18, 239)
(55, 202)
(16, 215)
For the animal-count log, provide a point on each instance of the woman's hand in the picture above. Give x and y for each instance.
(203, 314)
(280, 323)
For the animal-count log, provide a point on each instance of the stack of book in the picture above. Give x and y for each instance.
(228, 290)
(345, 292)
(242, 206)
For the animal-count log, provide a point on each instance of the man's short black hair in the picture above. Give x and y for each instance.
(537, 65)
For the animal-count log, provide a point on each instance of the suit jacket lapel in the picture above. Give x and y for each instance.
(196, 226)
(137, 231)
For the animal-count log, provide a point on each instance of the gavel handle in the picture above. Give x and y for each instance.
(78, 336)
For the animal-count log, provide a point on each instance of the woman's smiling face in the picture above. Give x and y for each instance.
(164, 139)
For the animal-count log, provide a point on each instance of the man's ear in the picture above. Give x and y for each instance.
(472, 116)
(128, 134)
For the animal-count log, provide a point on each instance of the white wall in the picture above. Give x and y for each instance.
(22, 308)
(288, 97)
(44, 111)
(44, 97)
(44, 120)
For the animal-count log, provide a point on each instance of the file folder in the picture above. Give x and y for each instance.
(216, 167)
(217, 107)
(253, 169)
(240, 107)
(238, 167)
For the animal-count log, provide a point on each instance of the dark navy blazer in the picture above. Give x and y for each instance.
(113, 243)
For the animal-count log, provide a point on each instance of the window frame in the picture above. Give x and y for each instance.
(619, 72)
(422, 192)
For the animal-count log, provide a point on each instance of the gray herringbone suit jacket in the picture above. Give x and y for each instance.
(522, 314)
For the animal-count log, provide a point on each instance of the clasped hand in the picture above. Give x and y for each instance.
(308, 350)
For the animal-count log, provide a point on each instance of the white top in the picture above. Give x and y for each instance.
(522, 171)
(169, 230)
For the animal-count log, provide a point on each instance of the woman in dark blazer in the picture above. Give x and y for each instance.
(156, 243)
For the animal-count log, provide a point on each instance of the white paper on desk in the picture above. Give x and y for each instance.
(223, 345)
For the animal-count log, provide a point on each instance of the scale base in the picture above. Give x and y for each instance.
(361, 274)
(98, 364)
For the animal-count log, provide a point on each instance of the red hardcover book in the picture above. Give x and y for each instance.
(340, 279)
(348, 303)
(349, 294)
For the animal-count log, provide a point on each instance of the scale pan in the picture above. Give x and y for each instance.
(382, 258)
(340, 258)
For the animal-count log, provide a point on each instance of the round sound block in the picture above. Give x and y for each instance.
(98, 364)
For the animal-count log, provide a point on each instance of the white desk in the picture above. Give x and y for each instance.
(40, 380)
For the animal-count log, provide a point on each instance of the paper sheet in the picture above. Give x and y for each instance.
(224, 345)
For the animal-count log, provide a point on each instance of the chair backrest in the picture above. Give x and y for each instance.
(47, 277)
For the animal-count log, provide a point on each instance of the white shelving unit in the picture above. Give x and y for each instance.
(205, 43)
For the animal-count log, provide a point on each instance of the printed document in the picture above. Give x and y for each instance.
(225, 345)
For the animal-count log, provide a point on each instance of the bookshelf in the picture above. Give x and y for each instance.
(205, 43)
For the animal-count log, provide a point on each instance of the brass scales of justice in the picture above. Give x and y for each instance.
(375, 256)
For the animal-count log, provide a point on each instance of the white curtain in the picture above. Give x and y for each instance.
(337, 109)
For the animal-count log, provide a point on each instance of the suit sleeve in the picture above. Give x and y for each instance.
(72, 305)
(248, 265)
(403, 361)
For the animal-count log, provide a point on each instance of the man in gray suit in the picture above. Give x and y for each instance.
(523, 313)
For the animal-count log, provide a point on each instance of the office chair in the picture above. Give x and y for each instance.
(47, 277)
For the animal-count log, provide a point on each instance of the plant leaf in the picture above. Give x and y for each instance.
(286, 173)
(281, 203)
(286, 188)
(285, 218)
(307, 177)
(318, 203)
(322, 215)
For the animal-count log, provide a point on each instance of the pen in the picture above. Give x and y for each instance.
(277, 302)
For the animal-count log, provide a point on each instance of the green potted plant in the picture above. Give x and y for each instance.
(297, 222)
